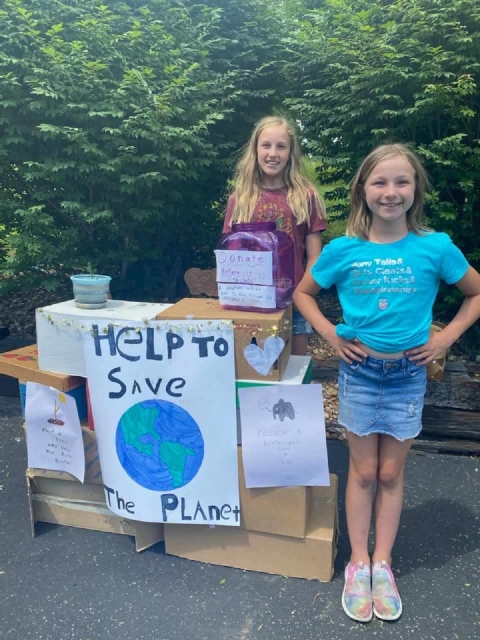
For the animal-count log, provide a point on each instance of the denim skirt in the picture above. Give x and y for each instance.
(382, 396)
(300, 326)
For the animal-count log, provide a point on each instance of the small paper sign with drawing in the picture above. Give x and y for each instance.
(54, 434)
(283, 436)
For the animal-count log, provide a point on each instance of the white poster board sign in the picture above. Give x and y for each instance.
(246, 295)
(283, 436)
(54, 434)
(163, 400)
(245, 267)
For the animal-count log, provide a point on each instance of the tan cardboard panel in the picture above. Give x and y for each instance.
(68, 490)
(311, 557)
(248, 325)
(69, 503)
(23, 364)
(95, 517)
(279, 510)
(147, 534)
(211, 309)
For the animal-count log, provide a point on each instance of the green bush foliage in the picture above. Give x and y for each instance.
(117, 120)
(120, 121)
(361, 73)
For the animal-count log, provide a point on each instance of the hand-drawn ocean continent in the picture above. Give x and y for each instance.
(159, 445)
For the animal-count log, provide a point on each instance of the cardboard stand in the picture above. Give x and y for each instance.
(291, 531)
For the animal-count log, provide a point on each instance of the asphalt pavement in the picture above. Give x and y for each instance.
(75, 584)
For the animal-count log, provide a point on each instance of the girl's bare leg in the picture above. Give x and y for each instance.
(389, 496)
(362, 473)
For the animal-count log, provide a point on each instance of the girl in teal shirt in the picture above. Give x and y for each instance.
(387, 271)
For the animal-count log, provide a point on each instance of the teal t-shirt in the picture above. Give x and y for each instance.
(387, 291)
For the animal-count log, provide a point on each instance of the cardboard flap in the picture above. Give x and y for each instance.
(147, 534)
(73, 504)
(23, 364)
(90, 506)
(30, 506)
(75, 491)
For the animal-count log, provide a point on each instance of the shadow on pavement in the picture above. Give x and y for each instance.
(435, 532)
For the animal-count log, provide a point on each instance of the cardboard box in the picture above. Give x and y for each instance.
(79, 394)
(23, 364)
(299, 371)
(68, 502)
(279, 510)
(60, 333)
(93, 472)
(249, 327)
(311, 557)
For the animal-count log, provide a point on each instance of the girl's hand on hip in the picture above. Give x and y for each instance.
(348, 350)
(435, 348)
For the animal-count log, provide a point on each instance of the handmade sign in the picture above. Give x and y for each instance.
(245, 278)
(54, 434)
(262, 359)
(163, 401)
(246, 267)
(283, 436)
(246, 295)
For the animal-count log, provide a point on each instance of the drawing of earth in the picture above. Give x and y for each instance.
(159, 445)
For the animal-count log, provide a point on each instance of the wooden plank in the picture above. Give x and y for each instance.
(325, 370)
(445, 422)
(457, 390)
(432, 444)
(449, 445)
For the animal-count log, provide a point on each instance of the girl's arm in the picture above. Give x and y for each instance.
(313, 248)
(304, 299)
(468, 313)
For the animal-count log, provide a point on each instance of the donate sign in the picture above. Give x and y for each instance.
(245, 278)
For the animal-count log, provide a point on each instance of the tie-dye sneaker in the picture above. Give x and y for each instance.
(357, 592)
(387, 604)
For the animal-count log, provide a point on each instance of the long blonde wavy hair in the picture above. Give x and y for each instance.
(248, 177)
(360, 218)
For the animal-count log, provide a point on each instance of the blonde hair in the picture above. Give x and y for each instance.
(248, 177)
(360, 218)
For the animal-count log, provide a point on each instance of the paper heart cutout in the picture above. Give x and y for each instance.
(262, 359)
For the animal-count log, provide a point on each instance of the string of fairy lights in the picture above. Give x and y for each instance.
(170, 327)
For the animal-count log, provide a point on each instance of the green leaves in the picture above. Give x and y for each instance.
(111, 117)
(362, 73)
